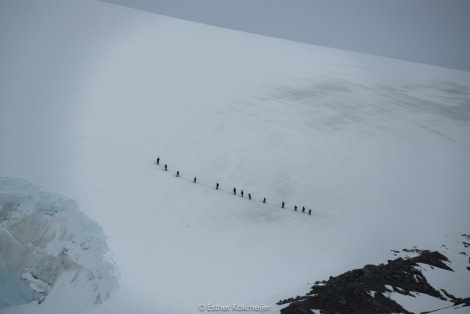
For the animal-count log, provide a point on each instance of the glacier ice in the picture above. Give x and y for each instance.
(45, 240)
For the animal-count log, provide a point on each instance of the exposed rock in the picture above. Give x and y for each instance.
(365, 290)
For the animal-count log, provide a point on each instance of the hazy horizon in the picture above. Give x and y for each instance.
(433, 32)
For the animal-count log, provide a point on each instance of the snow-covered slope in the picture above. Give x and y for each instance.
(91, 94)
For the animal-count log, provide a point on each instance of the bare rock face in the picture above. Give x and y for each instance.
(367, 290)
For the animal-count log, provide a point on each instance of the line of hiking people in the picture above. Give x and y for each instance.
(217, 185)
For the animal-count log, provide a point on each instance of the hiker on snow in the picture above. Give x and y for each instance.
(217, 186)
(234, 191)
(264, 200)
(309, 211)
(194, 180)
(177, 174)
(249, 196)
(166, 168)
(303, 209)
(295, 208)
(282, 204)
(158, 160)
(241, 193)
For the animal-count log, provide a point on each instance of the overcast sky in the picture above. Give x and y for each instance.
(428, 31)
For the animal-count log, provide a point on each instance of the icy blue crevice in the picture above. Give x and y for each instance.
(13, 291)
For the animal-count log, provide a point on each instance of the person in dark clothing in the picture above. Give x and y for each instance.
(264, 200)
(194, 180)
(177, 174)
(217, 186)
(282, 206)
(234, 191)
(303, 209)
(249, 196)
(295, 208)
(241, 193)
(158, 160)
(166, 168)
(309, 211)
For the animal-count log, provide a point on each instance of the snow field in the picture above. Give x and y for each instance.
(377, 148)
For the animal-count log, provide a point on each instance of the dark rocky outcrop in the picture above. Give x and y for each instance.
(366, 290)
